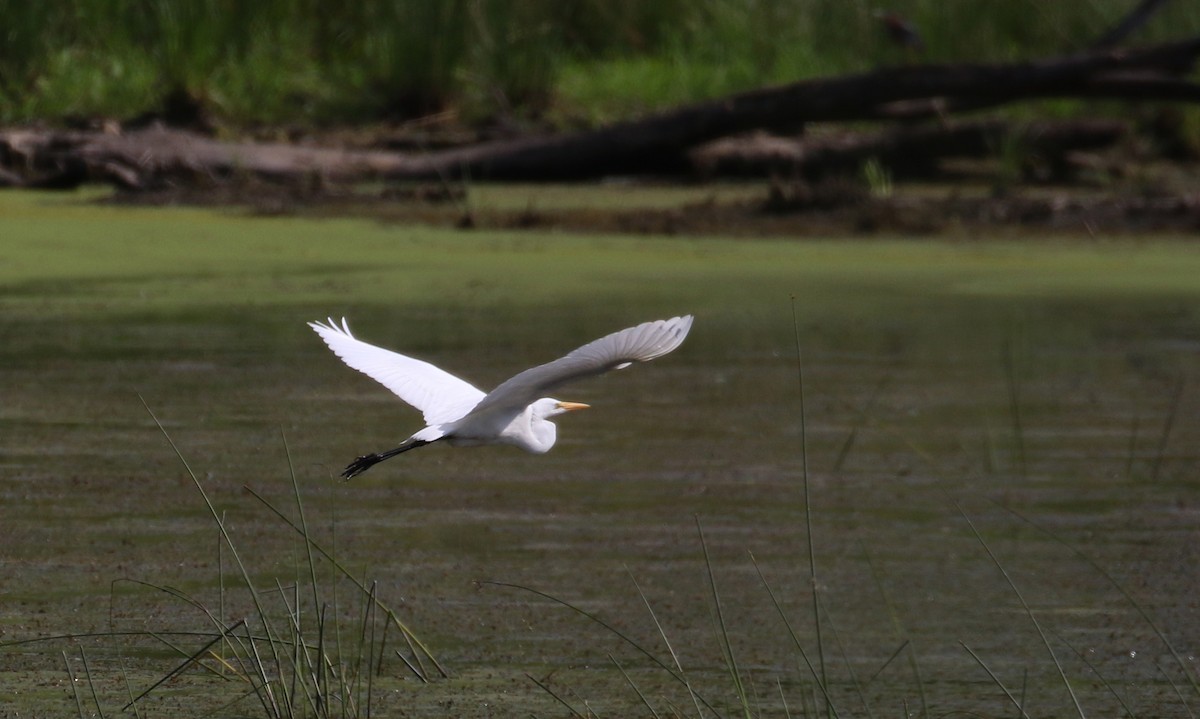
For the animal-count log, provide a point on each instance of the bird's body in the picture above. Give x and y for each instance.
(457, 412)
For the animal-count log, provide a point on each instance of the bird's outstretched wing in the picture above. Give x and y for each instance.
(439, 395)
(616, 351)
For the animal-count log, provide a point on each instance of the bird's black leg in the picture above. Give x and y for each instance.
(365, 462)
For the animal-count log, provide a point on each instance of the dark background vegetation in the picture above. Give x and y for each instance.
(312, 64)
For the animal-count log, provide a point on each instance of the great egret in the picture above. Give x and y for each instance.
(459, 413)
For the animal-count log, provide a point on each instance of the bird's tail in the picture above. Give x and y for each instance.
(365, 462)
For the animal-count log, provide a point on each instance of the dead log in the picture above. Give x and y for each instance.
(1145, 86)
(906, 151)
(158, 157)
(657, 144)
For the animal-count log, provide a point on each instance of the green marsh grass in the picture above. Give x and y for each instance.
(312, 63)
(307, 646)
(878, 178)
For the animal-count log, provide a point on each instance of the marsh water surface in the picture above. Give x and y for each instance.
(1044, 393)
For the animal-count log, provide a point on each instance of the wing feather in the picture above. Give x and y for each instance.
(440, 396)
(642, 343)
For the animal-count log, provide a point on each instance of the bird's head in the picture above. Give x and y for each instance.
(549, 407)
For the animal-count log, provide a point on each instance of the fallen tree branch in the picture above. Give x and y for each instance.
(905, 151)
(660, 143)
(656, 144)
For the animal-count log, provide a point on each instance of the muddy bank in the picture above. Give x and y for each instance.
(1084, 177)
(779, 209)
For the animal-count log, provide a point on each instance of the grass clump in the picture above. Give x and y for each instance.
(311, 646)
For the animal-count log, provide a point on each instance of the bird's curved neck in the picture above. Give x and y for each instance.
(542, 433)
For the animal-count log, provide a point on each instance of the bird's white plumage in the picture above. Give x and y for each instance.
(439, 395)
(615, 351)
(513, 413)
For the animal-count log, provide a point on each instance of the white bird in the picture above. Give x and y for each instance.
(461, 414)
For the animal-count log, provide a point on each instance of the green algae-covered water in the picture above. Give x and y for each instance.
(942, 382)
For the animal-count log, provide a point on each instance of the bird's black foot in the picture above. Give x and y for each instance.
(361, 464)
(365, 462)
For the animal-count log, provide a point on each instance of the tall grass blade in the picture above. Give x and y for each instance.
(312, 564)
(808, 526)
(787, 713)
(1028, 612)
(1180, 662)
(194, 658)
(87, 674)
(888, 662)
(1024, 687)
(137, 711)
(722, 631)
(1103, 680)
(837, 639)
(1015, 702)
(1013, 383)
(1175, 688)
(417, 671)
(320, 670)
(74, 685)
(221, 584)
(544, 687)
(991, 455)
(177, 594)
(262, 688)
(861, 417)
(300, 660)
(898, 626)
(372, 608)
(382, 648)
(1132, 453)
(325, 671)
(1160, 451)
(632, 685)
(99, 635)
(162, 639)
(667, 641)
(812, 669)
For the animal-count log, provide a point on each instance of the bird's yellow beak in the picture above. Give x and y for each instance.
(572, 406)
